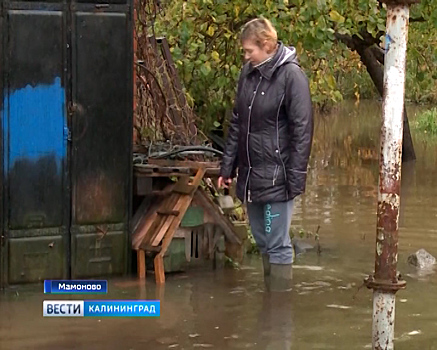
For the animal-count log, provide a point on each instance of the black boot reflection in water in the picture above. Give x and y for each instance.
(275, 322)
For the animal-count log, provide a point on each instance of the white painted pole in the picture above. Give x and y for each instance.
(385, 281)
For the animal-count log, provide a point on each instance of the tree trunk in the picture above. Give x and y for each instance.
(373, 58)
(408, 153)
(376, 72)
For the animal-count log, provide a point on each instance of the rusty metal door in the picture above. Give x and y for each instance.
(34, 124)
(66, 118)
(101, 116)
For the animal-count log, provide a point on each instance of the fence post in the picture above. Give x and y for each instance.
(385, 282)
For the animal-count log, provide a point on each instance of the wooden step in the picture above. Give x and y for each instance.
(156, 230)
(168, 212)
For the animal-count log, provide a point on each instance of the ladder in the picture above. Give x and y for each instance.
(156, 230)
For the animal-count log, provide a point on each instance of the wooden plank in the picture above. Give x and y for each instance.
(150, 219)
(170, 202)
(153, 168)
(198, 178)
(210, 172)
(174, 224)
(213, 210)
(141, 262)
(167, 191)
(149, 248)
(168, 221)
(153, 227)
(184, 206)
(143, 208)
(183, 163)
(146, 222)
(176, 170)
(183, 186)
(180, 203)
(209, 232)
(168, 212)
(159, 269)
(188, 234)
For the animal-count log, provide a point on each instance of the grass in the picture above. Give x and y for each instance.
(427, 122)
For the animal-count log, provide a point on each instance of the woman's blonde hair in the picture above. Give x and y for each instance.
(260, 30)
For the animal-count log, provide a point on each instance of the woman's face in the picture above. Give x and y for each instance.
(254, 53)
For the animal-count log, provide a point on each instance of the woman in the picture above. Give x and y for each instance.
(269, 141)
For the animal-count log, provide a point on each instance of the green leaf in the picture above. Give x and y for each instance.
(222, 81)
(205, 69)
(215, 56)
(210, 31)
(331, 81)
(336, 17)
(344, 31)
(360, 18)
(320, 35)
(237, 10)
(381, 27)
(203, 27)
(321, 4)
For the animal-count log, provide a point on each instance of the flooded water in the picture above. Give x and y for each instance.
(327, 309)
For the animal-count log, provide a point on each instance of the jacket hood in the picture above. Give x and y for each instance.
(284, 55)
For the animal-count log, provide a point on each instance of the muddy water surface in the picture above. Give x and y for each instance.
(228, 309)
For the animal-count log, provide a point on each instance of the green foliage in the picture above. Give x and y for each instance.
(421, 79)
(231, 263)
(353, 80)
(252, 246)
(204, 39)
(304, 234)
(427, 122)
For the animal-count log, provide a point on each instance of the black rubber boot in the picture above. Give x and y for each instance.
(266, 264)
(281, 277)
(266, 269)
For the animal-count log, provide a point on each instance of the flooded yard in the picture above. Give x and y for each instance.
(328, 307)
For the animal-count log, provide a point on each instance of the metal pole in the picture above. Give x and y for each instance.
(385, 282)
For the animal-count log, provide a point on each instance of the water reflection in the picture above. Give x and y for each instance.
(275, 326)
(228, 309)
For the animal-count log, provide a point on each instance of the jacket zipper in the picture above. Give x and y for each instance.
(278, 151)
(275, 174)
(246, 190)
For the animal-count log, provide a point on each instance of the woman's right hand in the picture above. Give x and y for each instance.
(222, 182)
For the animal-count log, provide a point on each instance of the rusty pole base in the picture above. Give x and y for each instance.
(385, 286)
(383, 320)
(384, 299)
